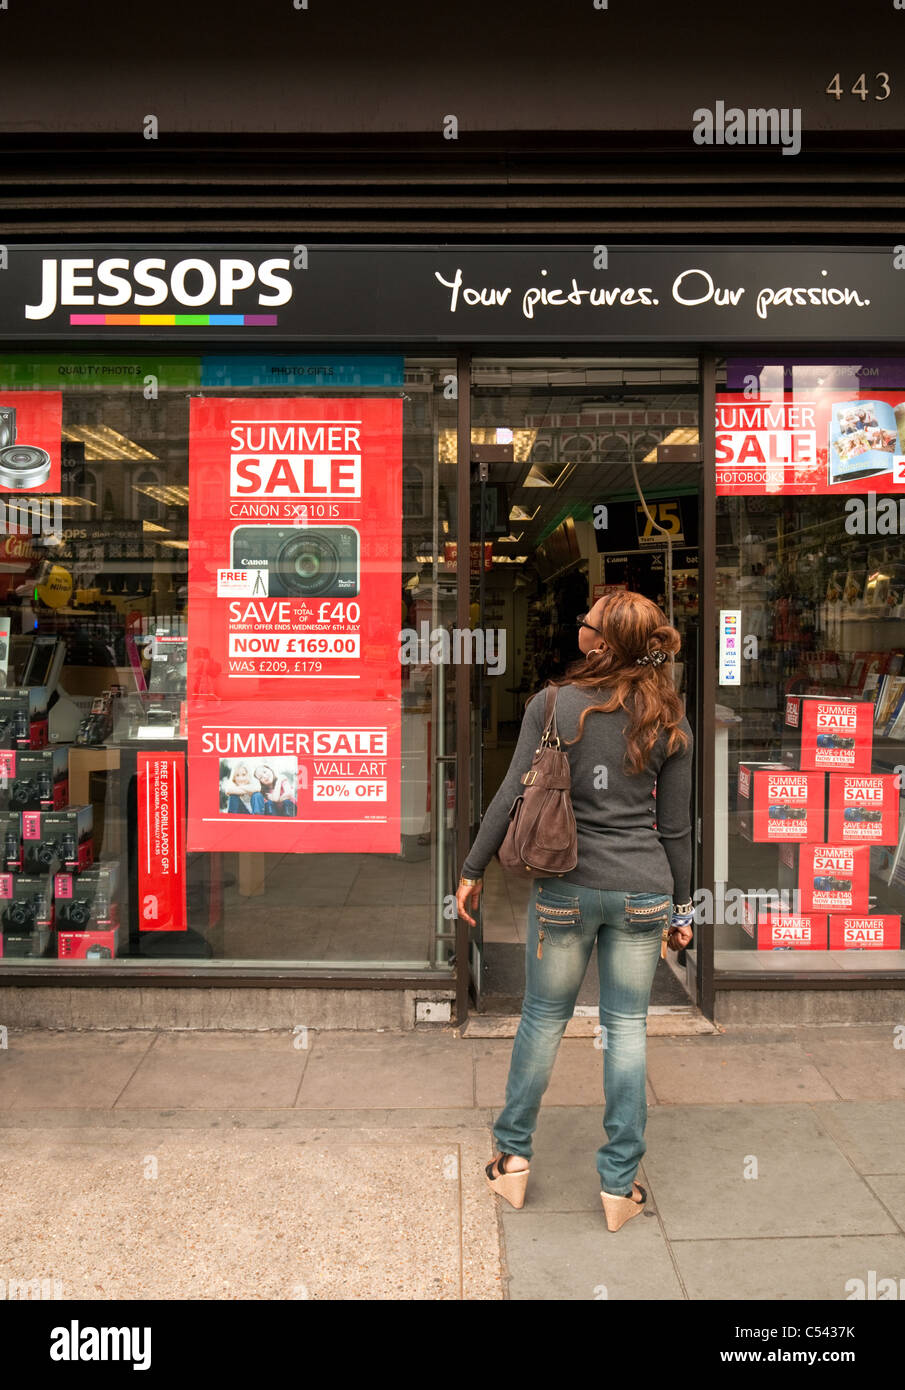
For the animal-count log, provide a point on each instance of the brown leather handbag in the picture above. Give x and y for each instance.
(542, 839)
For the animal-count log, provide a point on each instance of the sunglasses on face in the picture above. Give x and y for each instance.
(583, 622)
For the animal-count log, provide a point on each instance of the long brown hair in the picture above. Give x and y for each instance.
(632, 627)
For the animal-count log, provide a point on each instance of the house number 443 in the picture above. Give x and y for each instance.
(881, 79)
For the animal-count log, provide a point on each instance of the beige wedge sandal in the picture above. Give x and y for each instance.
(511, 1186)
(618, 1210)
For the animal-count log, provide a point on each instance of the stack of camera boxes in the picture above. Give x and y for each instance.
(51, 891)
(826, 810)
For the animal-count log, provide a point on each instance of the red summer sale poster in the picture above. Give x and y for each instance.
(817, 442)
(294, 726)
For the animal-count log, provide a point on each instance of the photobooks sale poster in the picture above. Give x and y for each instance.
(295, 515)
(813, 442)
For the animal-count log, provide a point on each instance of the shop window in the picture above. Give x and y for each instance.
(810, 730)
(332, 844)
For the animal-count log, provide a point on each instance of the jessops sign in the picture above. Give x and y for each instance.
(595, 293)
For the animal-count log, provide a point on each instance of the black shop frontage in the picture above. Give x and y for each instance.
(292, 531)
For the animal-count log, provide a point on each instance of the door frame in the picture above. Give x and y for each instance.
(703, 811)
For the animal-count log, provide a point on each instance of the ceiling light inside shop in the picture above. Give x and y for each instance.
(518, 513)
(101, 442)
(509, 559)
(685, 435)
(152, 526)
(522, 441)
(176, 545)
(174, 496)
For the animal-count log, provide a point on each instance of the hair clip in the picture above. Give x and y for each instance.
(654, 658)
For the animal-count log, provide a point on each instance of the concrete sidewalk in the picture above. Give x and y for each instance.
(217, 1165)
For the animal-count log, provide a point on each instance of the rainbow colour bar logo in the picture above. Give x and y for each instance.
(174, 320)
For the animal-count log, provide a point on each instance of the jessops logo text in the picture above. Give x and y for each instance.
(77, 282)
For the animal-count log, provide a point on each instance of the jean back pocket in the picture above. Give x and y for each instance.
(558, 919)
(647, 911)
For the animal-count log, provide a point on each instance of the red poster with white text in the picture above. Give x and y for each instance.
(295, 585)
(813, 442)
(161, 841)
(31, 432)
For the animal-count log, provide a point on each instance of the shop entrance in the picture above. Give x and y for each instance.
(585, 477)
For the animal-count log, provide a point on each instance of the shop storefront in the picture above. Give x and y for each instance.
(255, 697)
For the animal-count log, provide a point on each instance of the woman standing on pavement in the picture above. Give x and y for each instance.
(624, 728)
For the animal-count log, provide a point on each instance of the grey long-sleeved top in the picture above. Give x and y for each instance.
(619, 846)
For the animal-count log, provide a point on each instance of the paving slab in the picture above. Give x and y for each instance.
(395, 1070)
(327, 1215)
(697, 1158)
(216, 1071)
(573, 1256)
(859, 1070)
(891, 1192)
(791, 1268)
(715, 1071)
(68, 1070)
(871, 1134)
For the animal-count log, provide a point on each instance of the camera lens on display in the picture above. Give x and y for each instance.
(47, 853)
(78, 912)
(24, 466)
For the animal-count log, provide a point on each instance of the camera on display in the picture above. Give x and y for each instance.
(301, 561)
(25, 914)
(78, 912)
(21, 465)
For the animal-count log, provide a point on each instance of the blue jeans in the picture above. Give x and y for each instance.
(564, 922)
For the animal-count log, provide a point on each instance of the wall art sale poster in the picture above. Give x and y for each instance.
(815, 441)
(295, 517)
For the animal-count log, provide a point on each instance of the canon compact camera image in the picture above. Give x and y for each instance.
(861, 813)
(826, 883)
(22, 466)
(302, 561)
(786, 812)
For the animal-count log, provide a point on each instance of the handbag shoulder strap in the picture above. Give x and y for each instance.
(550, 733)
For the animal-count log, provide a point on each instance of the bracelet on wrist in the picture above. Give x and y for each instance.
(469, 882)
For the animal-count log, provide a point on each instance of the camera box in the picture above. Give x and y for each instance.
(23, 717)
(10, 843)
(850, 932)
(778, 803)
(833, 878)
(26, 914)
(58, 841)
(87, 900)
(88, 945)
(36, 779)
(789, 931)
(826, 733)
(863, 809)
